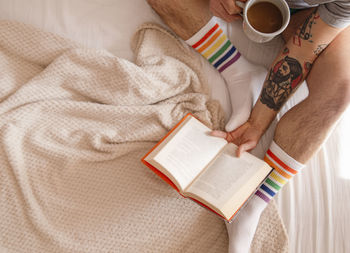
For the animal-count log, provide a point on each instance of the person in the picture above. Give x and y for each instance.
(317, 48)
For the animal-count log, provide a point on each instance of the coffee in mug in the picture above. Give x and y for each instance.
(265, 17)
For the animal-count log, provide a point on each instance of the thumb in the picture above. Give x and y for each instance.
(218, 133)
(249, 145)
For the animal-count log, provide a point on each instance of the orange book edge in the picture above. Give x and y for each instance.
(168, 181)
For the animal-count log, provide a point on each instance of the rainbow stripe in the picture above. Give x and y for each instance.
(277, 179)
(217, 48)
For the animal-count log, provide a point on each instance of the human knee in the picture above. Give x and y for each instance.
(341, 87)
(163, 8)
(157, 5)
(154, 2)
(329, 81)
(338, 98)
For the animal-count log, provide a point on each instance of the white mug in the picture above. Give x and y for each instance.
(254, 34)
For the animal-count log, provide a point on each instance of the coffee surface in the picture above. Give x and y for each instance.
(265, 17)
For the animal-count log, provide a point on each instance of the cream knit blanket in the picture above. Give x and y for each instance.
(74, 123)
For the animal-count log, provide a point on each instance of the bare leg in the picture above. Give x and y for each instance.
(300, 133)
(184, 17)
(192, 20)
(302, 130)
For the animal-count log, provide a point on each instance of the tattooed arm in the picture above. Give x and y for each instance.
(288, 71)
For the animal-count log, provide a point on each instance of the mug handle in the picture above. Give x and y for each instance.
(242, 5)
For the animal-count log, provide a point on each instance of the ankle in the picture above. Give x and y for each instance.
(212, 43)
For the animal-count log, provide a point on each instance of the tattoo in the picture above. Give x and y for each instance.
(285, 51)
(319, 49)
(282, 79)
(307, 66)
(304, 32)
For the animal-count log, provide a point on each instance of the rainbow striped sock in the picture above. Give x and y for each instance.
(284, 168)
(212, 43)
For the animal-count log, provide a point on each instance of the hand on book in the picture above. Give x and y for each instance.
(246, 137)
(205, 169)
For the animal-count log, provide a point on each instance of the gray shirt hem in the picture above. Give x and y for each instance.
(331, 19)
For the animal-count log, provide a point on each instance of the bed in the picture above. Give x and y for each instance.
(314, 206)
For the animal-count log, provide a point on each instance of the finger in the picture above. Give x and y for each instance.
(247, 146)
(218, 133)
(231, 7)
(222, 134)
(223, 15)
(237, 17)
(243, 1)
(218, 10)
(235, 134)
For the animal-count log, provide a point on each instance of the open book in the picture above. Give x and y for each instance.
(205, 168)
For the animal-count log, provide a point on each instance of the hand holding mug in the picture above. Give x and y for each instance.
(260, 17)
(227, 10)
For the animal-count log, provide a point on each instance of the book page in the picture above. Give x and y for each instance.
(227, 176)
(189, 152)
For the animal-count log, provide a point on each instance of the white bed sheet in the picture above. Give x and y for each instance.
(314, 206)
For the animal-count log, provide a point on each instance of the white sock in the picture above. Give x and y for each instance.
(243, 79)
(241, 76)
(242, 229)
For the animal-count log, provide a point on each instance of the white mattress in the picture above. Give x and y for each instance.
(314, 206)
